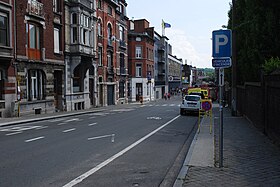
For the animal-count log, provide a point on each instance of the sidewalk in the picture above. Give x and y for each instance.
(250, 158)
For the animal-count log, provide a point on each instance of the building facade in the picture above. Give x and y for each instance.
(39, 57)
(141, 61)
(8, 83)
(174, 73)
(161, 65)
(80, 55)
(112, 51)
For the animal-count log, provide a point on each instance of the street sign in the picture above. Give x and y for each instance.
(221, 62)
(206, 104)
(221, 77)
(221, 43)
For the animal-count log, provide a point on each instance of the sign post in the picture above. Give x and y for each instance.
(221, 45)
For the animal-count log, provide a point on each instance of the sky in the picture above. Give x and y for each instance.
(192, 23)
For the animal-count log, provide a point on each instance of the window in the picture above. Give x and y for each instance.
(4, 32)
(99, 27)
(122, 64)
(138, 70)
(109, 34)
(33, 41)
(56, 5)
(74, 30)
(56, 40)
(110, 10)
(85, 30)
(121, 30)
(99, 4)
(121, 89)
(138, 52)
(1, 85)
(110, 59)
(36, 87)
(100, 56)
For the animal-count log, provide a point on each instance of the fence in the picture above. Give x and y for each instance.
(260, 103)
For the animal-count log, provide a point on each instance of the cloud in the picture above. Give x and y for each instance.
(183, 47)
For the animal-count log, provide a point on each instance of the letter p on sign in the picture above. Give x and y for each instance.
(221, 43)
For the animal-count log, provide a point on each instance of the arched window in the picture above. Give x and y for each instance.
(109, 31)
(121, 30)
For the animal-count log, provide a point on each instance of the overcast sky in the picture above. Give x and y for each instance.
(192, 23)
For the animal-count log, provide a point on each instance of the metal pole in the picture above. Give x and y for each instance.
(234, 65)
(221, 128)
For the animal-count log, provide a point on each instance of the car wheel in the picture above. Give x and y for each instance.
(181, 111)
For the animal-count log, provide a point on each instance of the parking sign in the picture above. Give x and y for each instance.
(221, 43)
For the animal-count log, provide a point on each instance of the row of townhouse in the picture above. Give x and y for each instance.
(64, 55)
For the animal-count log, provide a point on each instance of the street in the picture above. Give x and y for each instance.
(131, 145)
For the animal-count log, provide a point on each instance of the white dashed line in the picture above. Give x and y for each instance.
(92, 124)
(61, 123)
(13, 133)
(34, 139)
(69, 130)
(43, 127)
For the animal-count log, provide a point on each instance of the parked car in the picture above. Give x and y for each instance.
(190, 103)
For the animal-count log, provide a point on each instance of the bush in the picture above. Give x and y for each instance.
(271, 65)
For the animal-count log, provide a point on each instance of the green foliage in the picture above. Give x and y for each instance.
(271, 64)
(255, 24)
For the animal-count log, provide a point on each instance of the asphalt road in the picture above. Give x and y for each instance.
(132, 145)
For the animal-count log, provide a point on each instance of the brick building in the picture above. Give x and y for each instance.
(141, 60)
(112, 51)
(39, 58)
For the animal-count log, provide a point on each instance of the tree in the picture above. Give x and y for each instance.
(257, 28)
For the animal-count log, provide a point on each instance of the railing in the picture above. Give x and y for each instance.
(122, 70)
(110, 70)
(122, 44)
(35, 7)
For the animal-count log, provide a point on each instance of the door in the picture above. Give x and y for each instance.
(110, 95)
(139, 91)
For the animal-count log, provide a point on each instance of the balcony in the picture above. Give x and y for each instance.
(161, 60)
(110, 43)
(123, 44)
(123, 71)
(110, 70)
(161, 72)
(35, 8)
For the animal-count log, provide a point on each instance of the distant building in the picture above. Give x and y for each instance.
(161, 65)
(141, 61)
(174, 73)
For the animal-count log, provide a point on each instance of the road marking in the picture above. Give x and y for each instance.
(34, 139)
(13, 133)
(104, 136)
(80, 178)
(74, 119)
(69, 130)
(92, 117)
(172, 104)
(63, 123)
(157, 118)
(92, 124)
(42, 127)
(164, 105)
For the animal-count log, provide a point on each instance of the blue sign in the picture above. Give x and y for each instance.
(221, 62)
(221, 43)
